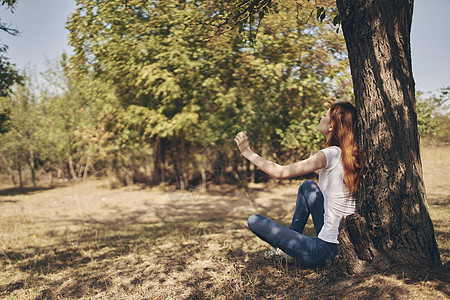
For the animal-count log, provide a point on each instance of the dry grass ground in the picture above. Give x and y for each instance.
(90, 242)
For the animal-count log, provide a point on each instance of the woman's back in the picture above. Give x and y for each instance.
(338, 202)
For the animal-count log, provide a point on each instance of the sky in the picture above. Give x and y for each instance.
(43, 36)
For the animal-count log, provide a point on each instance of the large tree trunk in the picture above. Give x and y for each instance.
(391, 195)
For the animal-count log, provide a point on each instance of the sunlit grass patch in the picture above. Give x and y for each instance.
(88, 242)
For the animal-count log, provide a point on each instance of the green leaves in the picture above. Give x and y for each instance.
(433, 117)
(146, 75)
(321, 13)
(337, 20)
(8, 74)
(9, 3)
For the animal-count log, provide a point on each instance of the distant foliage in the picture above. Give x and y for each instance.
(433, 117)
(9, 3)
(8, 74)
(152, 94)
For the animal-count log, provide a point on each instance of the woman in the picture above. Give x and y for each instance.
(338, 180)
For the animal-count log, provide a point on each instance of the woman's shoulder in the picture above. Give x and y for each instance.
(332, 150)
(332, 155)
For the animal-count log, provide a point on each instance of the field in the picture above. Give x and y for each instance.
(89, 241)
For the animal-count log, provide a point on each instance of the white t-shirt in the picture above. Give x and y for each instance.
(337, 201)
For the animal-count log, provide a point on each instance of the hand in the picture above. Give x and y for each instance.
(242, 142)
(312, 153)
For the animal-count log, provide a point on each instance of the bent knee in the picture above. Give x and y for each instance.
(308, 185)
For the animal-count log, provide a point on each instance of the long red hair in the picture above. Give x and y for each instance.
(343, 135)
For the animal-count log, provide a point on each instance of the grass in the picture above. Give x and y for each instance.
(87, 241)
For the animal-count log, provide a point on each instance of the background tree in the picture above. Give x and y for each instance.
(71, 114)
(433, 117)
(8, 73)
(181, 95)
(24, 139)
(50, 127)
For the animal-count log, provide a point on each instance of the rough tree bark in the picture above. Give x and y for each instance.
(394, 224)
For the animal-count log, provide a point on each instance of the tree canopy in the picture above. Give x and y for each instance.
(153, 93)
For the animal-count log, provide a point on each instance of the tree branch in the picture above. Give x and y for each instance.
(8, 29)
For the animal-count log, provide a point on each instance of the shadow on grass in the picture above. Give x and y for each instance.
(88, 254)
(439, 212)
(99, 244)
(25, 190)
(277, 279)
(150, 251)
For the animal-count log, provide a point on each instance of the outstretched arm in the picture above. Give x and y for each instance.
(312, 153)
(313, 163)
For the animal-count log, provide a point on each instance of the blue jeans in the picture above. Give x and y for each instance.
(309, 251)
